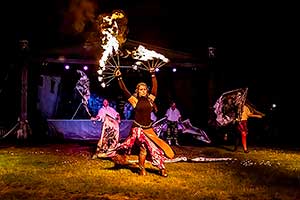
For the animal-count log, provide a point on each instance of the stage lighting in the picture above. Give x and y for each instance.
(174, 70)
(273, 107)
(67, 67)
(157, 69)
(85, 67)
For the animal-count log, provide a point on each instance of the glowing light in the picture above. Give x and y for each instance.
(174, 70)
(67, 67)
(148, 59)
(85, 67)
(100, 71)
(61, 58)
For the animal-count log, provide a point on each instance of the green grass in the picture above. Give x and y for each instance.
(66, 171)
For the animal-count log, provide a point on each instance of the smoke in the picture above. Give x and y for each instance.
(78, 15)
(82, 21)
(113, 23)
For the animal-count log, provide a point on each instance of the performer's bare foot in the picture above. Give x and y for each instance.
(142, 171)
(163, 172)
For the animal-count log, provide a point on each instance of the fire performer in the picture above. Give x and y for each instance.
(151, 146)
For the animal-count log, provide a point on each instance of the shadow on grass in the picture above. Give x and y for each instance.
(134, 168)
(268, 175)
(225, 148)
(276, 179)
(259, 170)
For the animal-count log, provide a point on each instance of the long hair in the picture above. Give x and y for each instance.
(136, 94)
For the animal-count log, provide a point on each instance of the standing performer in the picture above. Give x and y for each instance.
(242, 126)
(173, 118)
(110, 130)
(151, 146)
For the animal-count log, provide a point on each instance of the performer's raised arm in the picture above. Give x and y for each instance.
(154, 82)
(122, 85)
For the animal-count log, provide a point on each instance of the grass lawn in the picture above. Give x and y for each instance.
(66, 171)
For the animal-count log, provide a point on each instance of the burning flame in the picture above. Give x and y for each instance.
(143, 54)
(113, 29)
(112, 37)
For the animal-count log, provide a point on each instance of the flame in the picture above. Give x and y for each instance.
(109, 47)
(112, 29)
(143, 54)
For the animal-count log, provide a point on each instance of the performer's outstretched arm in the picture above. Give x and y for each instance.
(256, 116)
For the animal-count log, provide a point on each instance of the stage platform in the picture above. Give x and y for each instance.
(82, 129)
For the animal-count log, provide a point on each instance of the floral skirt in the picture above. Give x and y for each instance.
(137, 137)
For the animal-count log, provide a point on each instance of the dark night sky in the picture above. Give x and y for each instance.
(250, 38)
(251, 33)
(165, 22)
(178, 26)
(187, 25)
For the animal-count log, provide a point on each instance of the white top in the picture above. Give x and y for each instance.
(107, 111)
(173, 115)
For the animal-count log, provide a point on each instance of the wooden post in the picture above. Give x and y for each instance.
(211, 75)
(24, 129)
